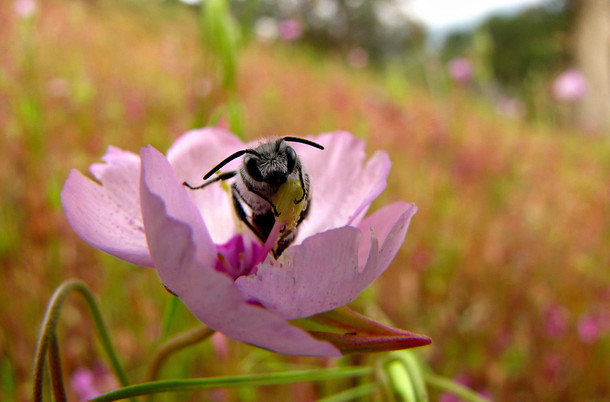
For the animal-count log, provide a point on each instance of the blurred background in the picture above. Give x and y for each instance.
(496, 117)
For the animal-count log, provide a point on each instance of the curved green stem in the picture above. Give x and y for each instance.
(47, 334)
(175, 344)
(59, 393)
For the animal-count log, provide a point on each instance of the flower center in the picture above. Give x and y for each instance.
(239, 256)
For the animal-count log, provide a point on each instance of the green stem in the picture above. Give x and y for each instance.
(175, 344)
(360, 391)
(251, 380)
(59, 393)
(453, 387)
(168, 317)
(49, 325)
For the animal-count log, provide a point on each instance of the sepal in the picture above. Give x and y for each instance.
(351, 332)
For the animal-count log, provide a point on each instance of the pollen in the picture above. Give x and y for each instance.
(285, 201)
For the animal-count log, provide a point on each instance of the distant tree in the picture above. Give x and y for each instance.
(531, 42)
(457, 44)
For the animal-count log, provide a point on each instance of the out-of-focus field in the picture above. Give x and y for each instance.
(506, 264)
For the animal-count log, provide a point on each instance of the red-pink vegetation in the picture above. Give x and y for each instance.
(513, 218)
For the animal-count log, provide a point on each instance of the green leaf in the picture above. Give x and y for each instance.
(250, 380)
(220, 35)
(351, 332)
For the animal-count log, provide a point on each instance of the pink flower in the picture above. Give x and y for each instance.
(220, 346)
(143, 214)
(87, 384)
(25, 8)
(460, 70)
(571, 85)
(290, 29)
(556, 321)
(591, 327)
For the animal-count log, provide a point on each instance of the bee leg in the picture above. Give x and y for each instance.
(253, 190)
(302, 187)
(304, 213)
(241, 214)
(222, 176)
(283, 243)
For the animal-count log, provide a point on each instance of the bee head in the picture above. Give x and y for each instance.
(271, 164)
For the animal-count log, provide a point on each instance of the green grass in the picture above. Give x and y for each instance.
(513, 217)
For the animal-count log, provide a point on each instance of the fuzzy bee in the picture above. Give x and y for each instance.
(272, 184)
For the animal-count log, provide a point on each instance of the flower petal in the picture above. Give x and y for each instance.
(186, 267)
(389, 226)
(308, 278)
(108, 217)
(330, 269)
(343, 186)
(120, 175)
(192, 156)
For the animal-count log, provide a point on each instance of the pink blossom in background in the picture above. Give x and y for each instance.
(554, 364)
(556, 321)
(142, 213)
(220, 344)
(25, 8)
(461, 70)
(571, 85)
(87, 384)
(290, 29)
(83, 384)
(591, 327)
(510, 107)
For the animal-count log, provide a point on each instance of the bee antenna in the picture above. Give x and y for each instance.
(303, 141)
(229, 159)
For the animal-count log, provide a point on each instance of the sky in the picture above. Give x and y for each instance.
(443, 15)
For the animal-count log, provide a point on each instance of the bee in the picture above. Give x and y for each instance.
(271, 183)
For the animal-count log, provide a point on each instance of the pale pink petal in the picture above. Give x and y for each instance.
(309, 278)
(342, 184)
(389, 228)
(327, 271)
(120, 176)
(96, 213)
(186, 263)
(192, 156)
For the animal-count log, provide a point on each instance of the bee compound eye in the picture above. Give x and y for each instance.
(251, 164)
(291, 158)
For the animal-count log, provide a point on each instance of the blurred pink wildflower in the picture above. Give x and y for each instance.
(556, 321)
(460, 70)
(220, 344)
(143, 214)
(591, 327)
(25, 8)
(290, 29)
(88, 384)
(571, 85)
